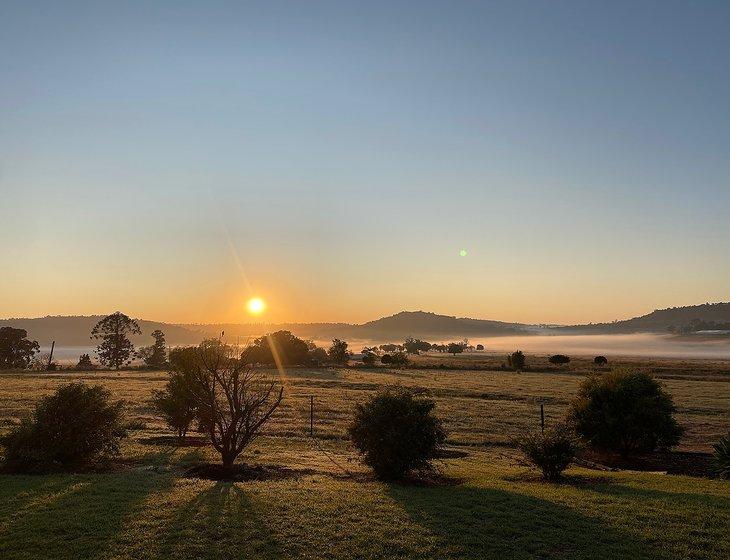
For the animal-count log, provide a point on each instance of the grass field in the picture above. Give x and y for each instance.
(324, 504)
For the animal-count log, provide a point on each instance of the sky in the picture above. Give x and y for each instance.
(173, 159)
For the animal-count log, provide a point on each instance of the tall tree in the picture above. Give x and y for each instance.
(115, 348)
(16, 351)
(155, 356)
(338, 352)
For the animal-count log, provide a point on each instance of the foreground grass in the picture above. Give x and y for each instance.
(496, 512)
(147, 509)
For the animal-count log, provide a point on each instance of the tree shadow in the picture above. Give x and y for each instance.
(220, 522)
(73, 517)
(681, 499)
(489, 523)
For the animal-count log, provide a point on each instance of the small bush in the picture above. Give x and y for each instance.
(386, 359)
(399, 359)
(516, 360)
(73, 428)
(551, 451)
(626, 412)
(176, 404)
(721, 457)
(600, 360)
(396, 432)
(85, 363)
(559, 359)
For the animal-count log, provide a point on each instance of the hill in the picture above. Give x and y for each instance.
(659, 320)
(75, 330)
(422, 323)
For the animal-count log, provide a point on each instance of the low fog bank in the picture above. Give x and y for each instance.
(628, 345)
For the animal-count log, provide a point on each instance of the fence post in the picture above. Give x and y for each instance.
(50, 357)
(542, 417)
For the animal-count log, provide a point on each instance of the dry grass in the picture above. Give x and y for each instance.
(478, 406)
(328, 505)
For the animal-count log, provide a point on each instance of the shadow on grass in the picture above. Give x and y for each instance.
(489, 523)
(681, 499)
(220, 522)
(70, 516)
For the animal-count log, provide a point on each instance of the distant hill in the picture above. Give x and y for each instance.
(659, 320)
(421, 323)
(75, 330)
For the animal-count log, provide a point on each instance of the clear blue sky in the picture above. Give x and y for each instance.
(171, 159)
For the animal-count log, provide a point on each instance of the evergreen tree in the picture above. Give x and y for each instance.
(115, 348)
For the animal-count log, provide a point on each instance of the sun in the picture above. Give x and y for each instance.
(256, 306)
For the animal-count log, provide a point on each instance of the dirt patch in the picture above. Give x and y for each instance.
(672, 462)
(244, 473)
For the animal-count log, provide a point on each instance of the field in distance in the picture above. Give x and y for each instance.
(315, 500)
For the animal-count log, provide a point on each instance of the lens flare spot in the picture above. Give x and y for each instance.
(462, 253)
(256, 306)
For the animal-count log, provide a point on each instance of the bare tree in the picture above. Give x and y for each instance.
(233, 399)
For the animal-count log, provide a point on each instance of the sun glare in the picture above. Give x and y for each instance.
(256, 306)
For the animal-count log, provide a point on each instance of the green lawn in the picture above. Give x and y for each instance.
(145, 508)
(496, 512)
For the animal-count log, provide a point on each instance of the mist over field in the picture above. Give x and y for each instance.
(629, 345)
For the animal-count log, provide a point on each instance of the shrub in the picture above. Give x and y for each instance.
(398, 359)
(559, 359)
(73, 428)
(626, 412)
(290, 350)
(600, 360)
(338, 352)
(551, 451)
(516, 360)
(368, 357)
(386, 359)
(396, 432)
(176, 404)
(84, 363)
(721, 457)
(317, 356)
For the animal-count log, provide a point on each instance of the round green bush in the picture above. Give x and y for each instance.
(72, 428)
(396, 432)
(551, 451)
(626, 412)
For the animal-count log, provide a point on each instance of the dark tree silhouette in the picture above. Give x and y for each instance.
(115, 348)
(283, 346)
(600, 360)
(559, 359)
(516, 360)
(84, 363)
(233, 400)
(480, 347)
(155, 356)
(455, 348)
(338, 352)
(415, 346)
(16, 351)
